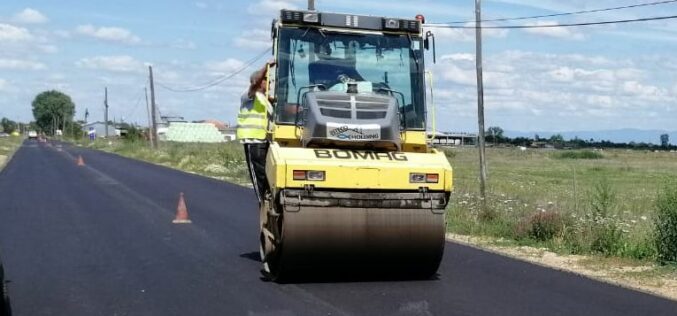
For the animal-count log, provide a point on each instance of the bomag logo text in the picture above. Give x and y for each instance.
(364, 155)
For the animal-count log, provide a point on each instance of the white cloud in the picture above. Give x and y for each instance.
(271, 7)
(47, 48)
(253, 39)
(644, 91)
(549, 91)
(18, 64)
(121, 63)
(113, 34)
(604, 101)
(62, 33)
(13, 33)
(599, 76)
(3, 84)
(454, 73)
(183, 44)
(167, 75)
(30, 16)
(466, 34)
(555, 32)
(459, 57)
(201, 5)
(225, 66)
(18, 42)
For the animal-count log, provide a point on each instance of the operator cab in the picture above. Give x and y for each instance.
(349, 81)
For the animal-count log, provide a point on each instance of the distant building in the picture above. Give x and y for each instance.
(193, 133)
(98, 129)
(440, 138)
(229, 133)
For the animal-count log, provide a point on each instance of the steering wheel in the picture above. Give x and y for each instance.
(381, 87)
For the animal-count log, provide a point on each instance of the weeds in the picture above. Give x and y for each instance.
(607, 238)
(582, 154)
(224, 160)
(7, 147)
(541, 226)
(603, 199)
(666, 224)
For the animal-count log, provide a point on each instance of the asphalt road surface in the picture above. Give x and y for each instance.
(98, 240)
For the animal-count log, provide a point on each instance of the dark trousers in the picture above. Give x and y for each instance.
(256, 163)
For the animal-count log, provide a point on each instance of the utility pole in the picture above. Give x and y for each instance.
(151, 137)
(105, 113)
(152, 107)
(480, 101)
(63, 123)
(311, 5)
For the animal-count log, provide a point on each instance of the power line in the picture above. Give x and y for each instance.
(569, 13)
(136, 106)
(442, 25)
(219, 80)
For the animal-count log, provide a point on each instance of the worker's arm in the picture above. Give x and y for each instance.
(261, 77)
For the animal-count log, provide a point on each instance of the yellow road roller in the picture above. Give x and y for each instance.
(354, 184)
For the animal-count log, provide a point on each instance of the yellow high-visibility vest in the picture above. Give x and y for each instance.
(252, 123)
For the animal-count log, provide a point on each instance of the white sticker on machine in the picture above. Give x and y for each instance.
(341, 131)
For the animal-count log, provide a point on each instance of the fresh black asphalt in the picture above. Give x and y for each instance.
(98, 240)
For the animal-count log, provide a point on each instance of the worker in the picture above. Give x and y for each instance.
(252, 128)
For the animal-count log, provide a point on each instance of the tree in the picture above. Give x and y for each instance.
(665, 140)
(522, 141)
(495, 134)
(52, 110)
(8, 126)
(557, 139)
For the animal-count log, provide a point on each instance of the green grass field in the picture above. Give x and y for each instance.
(568, 201)
(602, 202)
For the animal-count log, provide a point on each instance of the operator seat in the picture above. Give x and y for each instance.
(327, 71)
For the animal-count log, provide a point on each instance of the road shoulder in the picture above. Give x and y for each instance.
(641, 276)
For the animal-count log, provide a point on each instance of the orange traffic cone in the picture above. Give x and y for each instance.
(81, 162)
(181, 212)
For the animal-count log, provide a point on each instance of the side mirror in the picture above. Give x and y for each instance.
(273, 30)
(426, 44)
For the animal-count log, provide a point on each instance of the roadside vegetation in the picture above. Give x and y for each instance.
(611, 203)
(221, 161)
(8, 145)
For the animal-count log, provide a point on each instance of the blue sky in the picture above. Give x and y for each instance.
(593, 78)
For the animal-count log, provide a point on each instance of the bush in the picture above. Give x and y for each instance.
(641, 249)
(582, 154)
(666, 225)
(541, 226)
(607, 238)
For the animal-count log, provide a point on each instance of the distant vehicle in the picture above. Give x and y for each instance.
(4, 135)
(5, 308)
(32, 135)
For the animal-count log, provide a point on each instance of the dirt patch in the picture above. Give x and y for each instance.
(643, 277)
